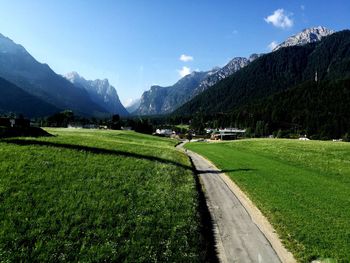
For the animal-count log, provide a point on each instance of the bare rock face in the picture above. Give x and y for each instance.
(233, 66)
(161, 100)
(307, 36)
(100, 91)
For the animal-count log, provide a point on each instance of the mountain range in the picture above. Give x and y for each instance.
(43, 89)
(15, 100)
(100, 92)
(295, 87)
(162, 100)
(39, 81)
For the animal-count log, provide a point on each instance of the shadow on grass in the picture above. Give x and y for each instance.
(224, 171)
(95, 150)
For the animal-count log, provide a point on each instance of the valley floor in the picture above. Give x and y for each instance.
(239, 238)
(302, 187)
(89, 195)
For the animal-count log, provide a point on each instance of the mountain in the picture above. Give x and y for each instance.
(230, 68)
(132, 105)
(319, 109)
(307, 36)
(39, 80)
(100, 92)
(15, 100)
(160, 100)
(287, 76)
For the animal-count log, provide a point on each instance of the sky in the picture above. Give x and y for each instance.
(139, 43)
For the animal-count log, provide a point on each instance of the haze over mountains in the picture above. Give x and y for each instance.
(16, 100)
(162, 100)
(132, 105)
(100, 91)
(42, 83)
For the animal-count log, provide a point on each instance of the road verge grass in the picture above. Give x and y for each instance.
(302, 188)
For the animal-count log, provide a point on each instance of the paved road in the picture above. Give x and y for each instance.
(238, 238)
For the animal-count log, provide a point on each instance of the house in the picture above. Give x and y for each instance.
(164, 132)
(227, 134)
(209, 130)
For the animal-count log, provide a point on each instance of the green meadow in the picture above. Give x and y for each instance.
(302, 187)
(88, 196)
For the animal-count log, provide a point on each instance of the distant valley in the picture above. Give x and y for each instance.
(38, 80)
(44, 92)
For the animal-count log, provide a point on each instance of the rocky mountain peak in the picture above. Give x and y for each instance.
(306, 36)
(74, 77)
(100, 91)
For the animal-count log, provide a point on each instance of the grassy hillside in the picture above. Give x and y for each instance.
(301, 186)
(96, 196)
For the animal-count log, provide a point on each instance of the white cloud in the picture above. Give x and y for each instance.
(186, 58)
(184, 71)
(272, 45)
(280, 19)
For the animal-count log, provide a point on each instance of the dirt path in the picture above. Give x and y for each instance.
(242, 233)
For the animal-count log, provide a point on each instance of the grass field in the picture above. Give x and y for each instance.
(303, 187)
(91, 196)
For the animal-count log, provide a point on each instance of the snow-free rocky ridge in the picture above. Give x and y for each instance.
(100, 91)
(309, 35)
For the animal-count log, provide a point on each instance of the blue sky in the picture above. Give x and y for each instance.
(137, 43)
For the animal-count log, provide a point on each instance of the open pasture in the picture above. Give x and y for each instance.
(302, 187)
(89, 195)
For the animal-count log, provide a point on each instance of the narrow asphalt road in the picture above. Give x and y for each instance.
(238, 238)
